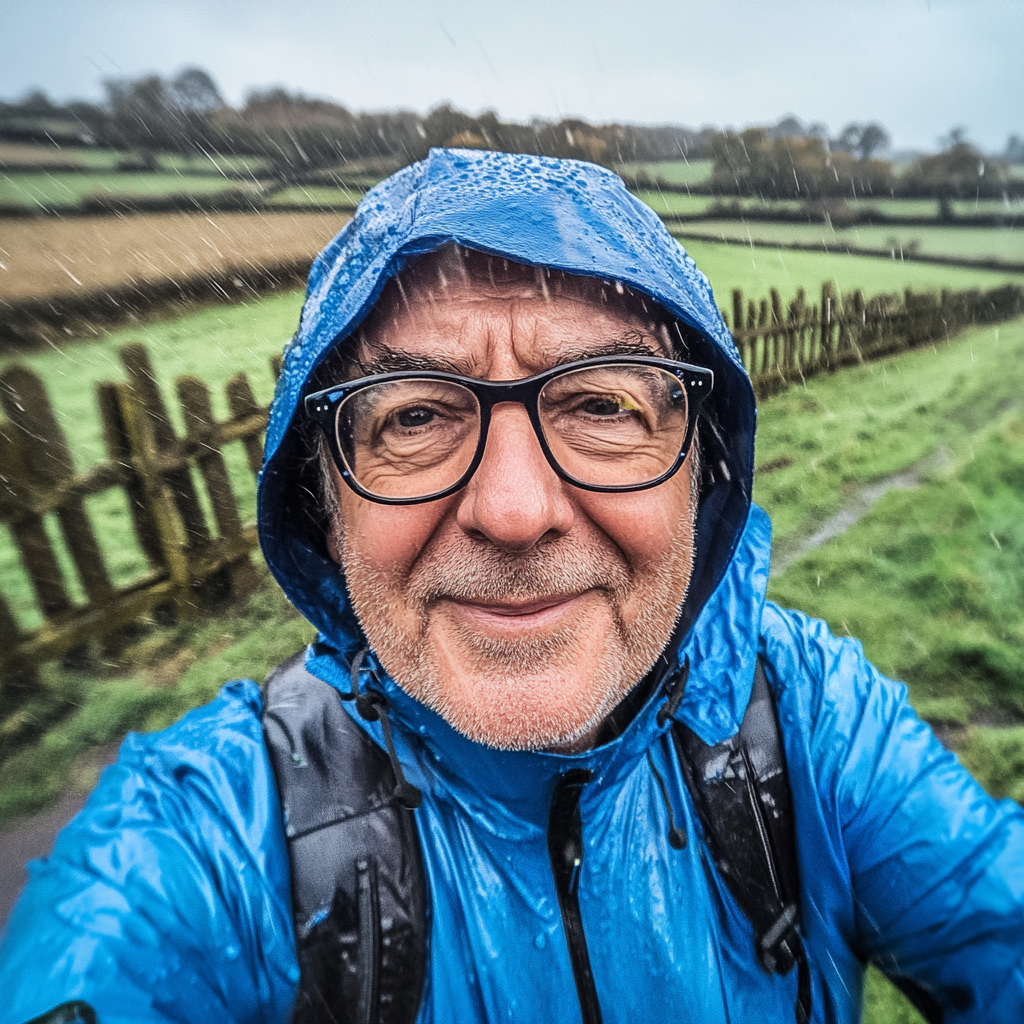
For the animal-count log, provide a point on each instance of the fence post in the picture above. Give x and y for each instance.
(825, 336)
(242, 402)
(194, 398)
(777, 335)
(115, 438)
(48, 459)
(160, 504)
(737, 310)
(17, 681)
(143, 385)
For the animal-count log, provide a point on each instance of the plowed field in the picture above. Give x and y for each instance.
(49, 257)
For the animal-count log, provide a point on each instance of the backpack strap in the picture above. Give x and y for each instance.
(740, 790)
(359, 892)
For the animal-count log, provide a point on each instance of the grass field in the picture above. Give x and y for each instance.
(673, 172)
(1005, 244)
(63, 189)
(931, 579)
(756, 271)
(681, 204)
(314, 196)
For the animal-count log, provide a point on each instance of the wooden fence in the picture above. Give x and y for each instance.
(182, 504)
(183, 509)
(780, 345)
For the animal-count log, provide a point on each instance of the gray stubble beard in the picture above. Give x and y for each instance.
(484, 573)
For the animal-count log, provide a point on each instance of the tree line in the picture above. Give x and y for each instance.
(301, 138)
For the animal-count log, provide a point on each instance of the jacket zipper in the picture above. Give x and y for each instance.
(565, 848)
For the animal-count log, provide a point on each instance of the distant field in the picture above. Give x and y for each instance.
(973, 243)
(51, 256)
(63, 189)
(674, 172)
(756, 271)
(668, 203)
(20, 155)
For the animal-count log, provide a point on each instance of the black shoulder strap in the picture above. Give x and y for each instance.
(740, 790)
(359, 894)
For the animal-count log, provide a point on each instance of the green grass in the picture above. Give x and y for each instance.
(667, 204)
(884, 1004)
(757, 271)
(674, 172)
(213, 164)
(1003, 243)
(930, 580)
(57, 190)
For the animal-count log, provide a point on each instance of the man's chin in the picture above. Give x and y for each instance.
(528, 713)
(537, 693)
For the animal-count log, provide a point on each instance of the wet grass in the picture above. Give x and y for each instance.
(674, 172)
(757, 271)
(55, 190)
(930, 581)
(1005, 243)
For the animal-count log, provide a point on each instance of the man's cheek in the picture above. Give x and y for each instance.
(388, 538)
(642, 525)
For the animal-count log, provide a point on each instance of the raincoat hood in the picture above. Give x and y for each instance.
(562, 214)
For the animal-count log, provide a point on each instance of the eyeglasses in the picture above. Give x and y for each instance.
(613, 423)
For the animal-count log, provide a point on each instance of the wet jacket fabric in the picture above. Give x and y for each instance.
(167, 898)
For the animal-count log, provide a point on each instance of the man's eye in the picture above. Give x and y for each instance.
(415, 417)
(602, 405)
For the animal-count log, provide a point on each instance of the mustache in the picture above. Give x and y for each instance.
(485, 573)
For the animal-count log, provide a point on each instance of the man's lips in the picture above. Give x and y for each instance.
(516, 615)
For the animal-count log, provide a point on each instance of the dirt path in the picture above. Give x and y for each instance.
(855, 509)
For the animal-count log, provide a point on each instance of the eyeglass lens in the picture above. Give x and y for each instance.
(609, 425)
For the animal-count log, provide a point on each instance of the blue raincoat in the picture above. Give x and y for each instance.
(167, 898)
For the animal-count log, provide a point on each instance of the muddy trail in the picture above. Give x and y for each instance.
(854, 509)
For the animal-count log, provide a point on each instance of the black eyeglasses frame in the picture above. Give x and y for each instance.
(322, 406)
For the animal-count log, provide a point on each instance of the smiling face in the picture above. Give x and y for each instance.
(521, 609)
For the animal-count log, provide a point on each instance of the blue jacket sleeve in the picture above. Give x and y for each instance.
(935, 865)
(166, 898)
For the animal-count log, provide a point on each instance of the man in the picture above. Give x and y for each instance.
(508, 479)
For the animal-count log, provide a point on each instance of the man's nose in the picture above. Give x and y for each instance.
(514, 499)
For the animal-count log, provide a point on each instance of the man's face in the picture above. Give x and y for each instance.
(522, 609)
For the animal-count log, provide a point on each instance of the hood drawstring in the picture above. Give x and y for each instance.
(676, 835)
(675, 694)
(373, 707)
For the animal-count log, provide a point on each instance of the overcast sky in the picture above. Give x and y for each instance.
(918, 66)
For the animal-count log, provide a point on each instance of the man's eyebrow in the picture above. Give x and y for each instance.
(394, 360)
(633, 344)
